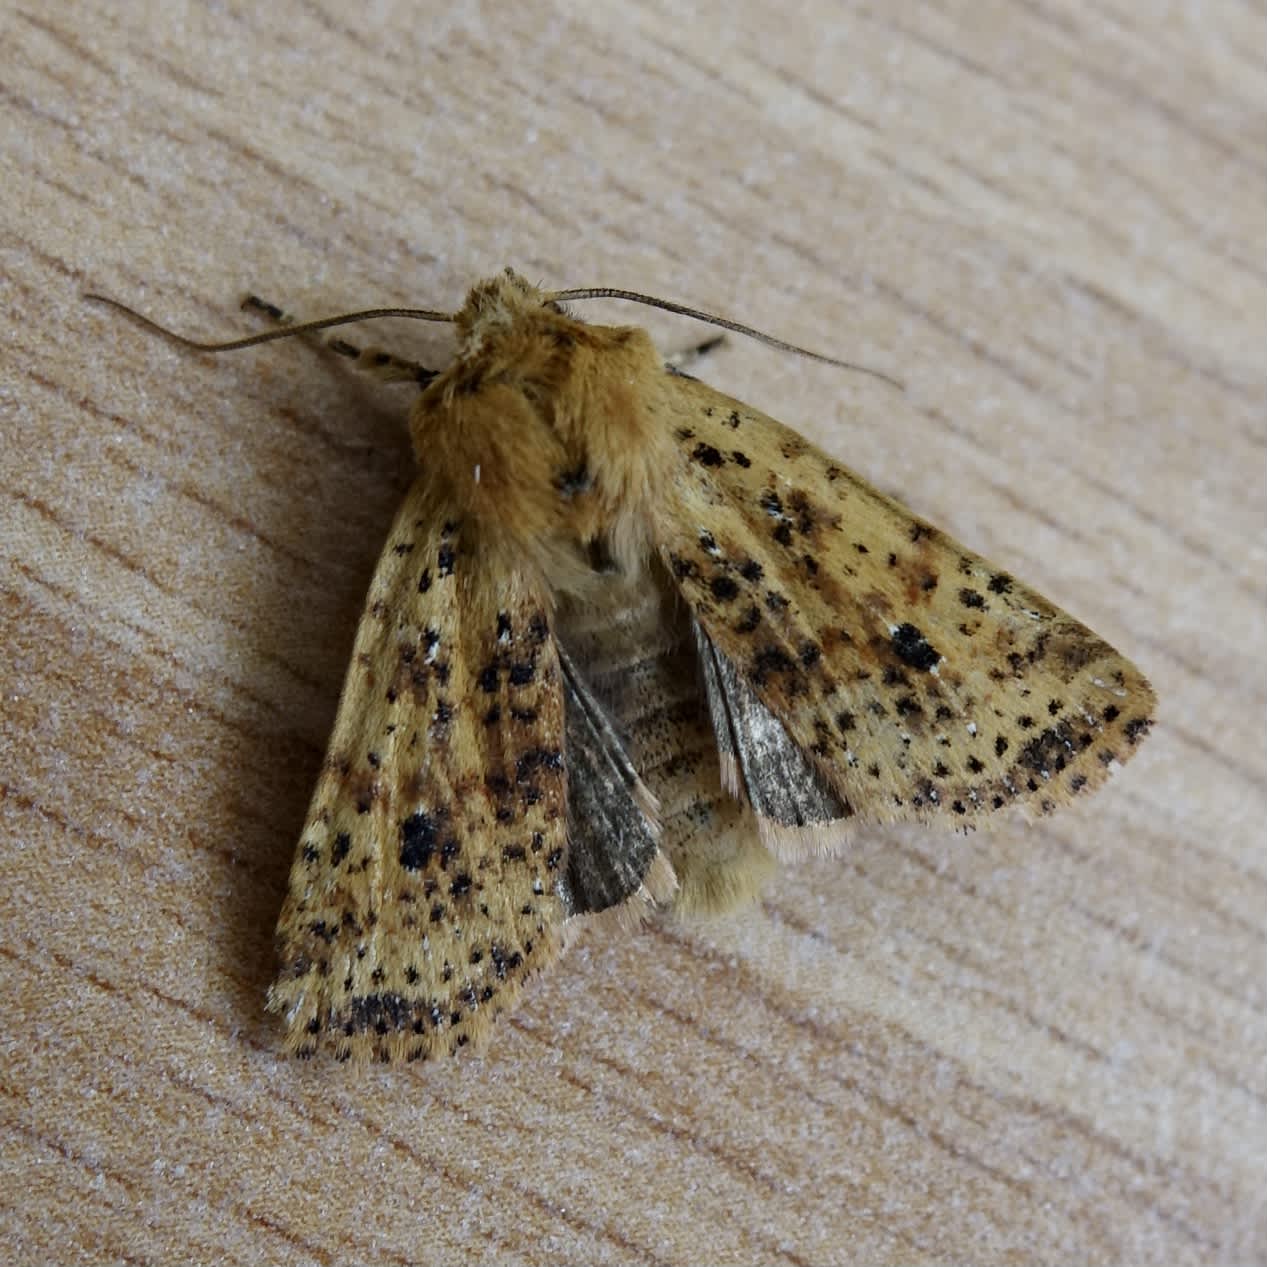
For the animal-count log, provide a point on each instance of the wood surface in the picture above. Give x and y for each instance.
(1037, 1044)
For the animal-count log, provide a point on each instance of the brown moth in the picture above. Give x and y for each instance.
(628, 640)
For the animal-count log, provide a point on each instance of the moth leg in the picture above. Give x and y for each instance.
(677, 362)
(372, 360)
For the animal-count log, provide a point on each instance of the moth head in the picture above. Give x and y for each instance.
(495, 306)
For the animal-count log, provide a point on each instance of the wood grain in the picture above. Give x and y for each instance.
(1043, 1044)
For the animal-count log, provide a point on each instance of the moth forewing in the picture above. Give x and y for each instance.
(920, 680)
(425, 887)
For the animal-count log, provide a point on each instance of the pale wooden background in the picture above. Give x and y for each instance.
(1037, 1045)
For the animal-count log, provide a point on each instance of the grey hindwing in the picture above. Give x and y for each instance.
(780, 781)
(612, 836)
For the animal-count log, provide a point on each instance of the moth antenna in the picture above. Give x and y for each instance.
(268, 336)
(608, 292)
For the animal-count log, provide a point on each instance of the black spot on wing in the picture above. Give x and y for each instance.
(419, 835)
(913, 648)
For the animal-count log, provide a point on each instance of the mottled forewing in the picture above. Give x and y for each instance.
(423, 888)
(921, 680)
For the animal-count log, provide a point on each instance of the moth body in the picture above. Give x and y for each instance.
(545, 435)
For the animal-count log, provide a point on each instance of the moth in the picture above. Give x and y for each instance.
(629, 642)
